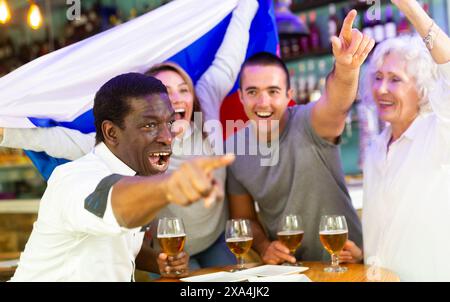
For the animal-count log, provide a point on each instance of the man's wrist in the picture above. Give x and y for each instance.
(361, 258)
(345, 74)
(404, 5)
(345, 68)
(262, 247)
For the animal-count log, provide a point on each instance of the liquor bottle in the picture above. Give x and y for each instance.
(285, 48)
(390, 29)
(403, 27)
(301, 84)
(367, 28)
(378, 30)
(314, 32)
(426, 8)
(333, 21)
(319, 87)
(305, 46)
(293, 83)
(322, 76)
(311, 81)
(294, 47)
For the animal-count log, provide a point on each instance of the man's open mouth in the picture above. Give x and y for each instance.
(264, 114)
(180, 113)
(159, 160)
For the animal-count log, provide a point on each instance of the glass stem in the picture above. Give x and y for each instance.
(334, 260)
(240, 261)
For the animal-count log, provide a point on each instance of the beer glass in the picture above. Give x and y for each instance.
(171, 236)
(290, 233)
(239, 239)
(333, 234)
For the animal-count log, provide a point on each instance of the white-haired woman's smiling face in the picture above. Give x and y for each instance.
(395, 91)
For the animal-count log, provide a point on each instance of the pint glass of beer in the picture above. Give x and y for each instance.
(171, 236)
(290, 233)
(333, 234)
(239, 239)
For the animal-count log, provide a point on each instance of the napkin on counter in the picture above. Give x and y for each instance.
(281, 278)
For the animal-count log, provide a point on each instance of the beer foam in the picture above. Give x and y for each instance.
(289, 233)
(171, 235)
(240, 239)
(333, 232)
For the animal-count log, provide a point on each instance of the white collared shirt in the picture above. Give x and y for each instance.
(406, 212)
(69, 242)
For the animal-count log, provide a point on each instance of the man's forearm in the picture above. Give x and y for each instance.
(260, 240)
(342, 86)
(422, 23)
(146, 259)
(137, 200)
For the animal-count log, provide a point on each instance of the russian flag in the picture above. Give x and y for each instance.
(58, 89)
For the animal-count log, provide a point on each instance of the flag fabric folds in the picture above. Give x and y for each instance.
(58, 89)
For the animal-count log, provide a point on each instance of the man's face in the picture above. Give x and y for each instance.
(145, 143)
(264, 94)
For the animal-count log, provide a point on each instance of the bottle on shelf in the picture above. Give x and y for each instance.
(378, 30)
(426, 8)
(390, 28)
(133, 14)
(369, 127)
(322, 76)
(293, 83)
(311, 81)
(294, 47)
(319, 88)
(361, 3)
(333, 22)
(314, 32)
(285, 48)
(302, 97)
(304, 40)
(367, 28)
(403, 26)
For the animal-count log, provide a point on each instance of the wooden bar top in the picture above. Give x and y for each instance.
(355, 273)
(7, 272)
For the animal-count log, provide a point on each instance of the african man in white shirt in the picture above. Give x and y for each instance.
(94, 210)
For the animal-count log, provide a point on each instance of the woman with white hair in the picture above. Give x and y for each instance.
(406, 210)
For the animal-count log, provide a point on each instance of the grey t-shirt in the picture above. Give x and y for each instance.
(307, 180)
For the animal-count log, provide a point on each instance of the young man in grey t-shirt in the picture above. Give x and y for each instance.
(303, 174)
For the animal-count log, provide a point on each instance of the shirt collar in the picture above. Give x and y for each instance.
(413, 129)
(410, 133)
(114, 163)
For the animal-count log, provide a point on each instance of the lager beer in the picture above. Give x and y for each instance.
(239, 246)
(239, 239)
(291, 239)
(172, 245)
(333, 234)
(333, 241)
